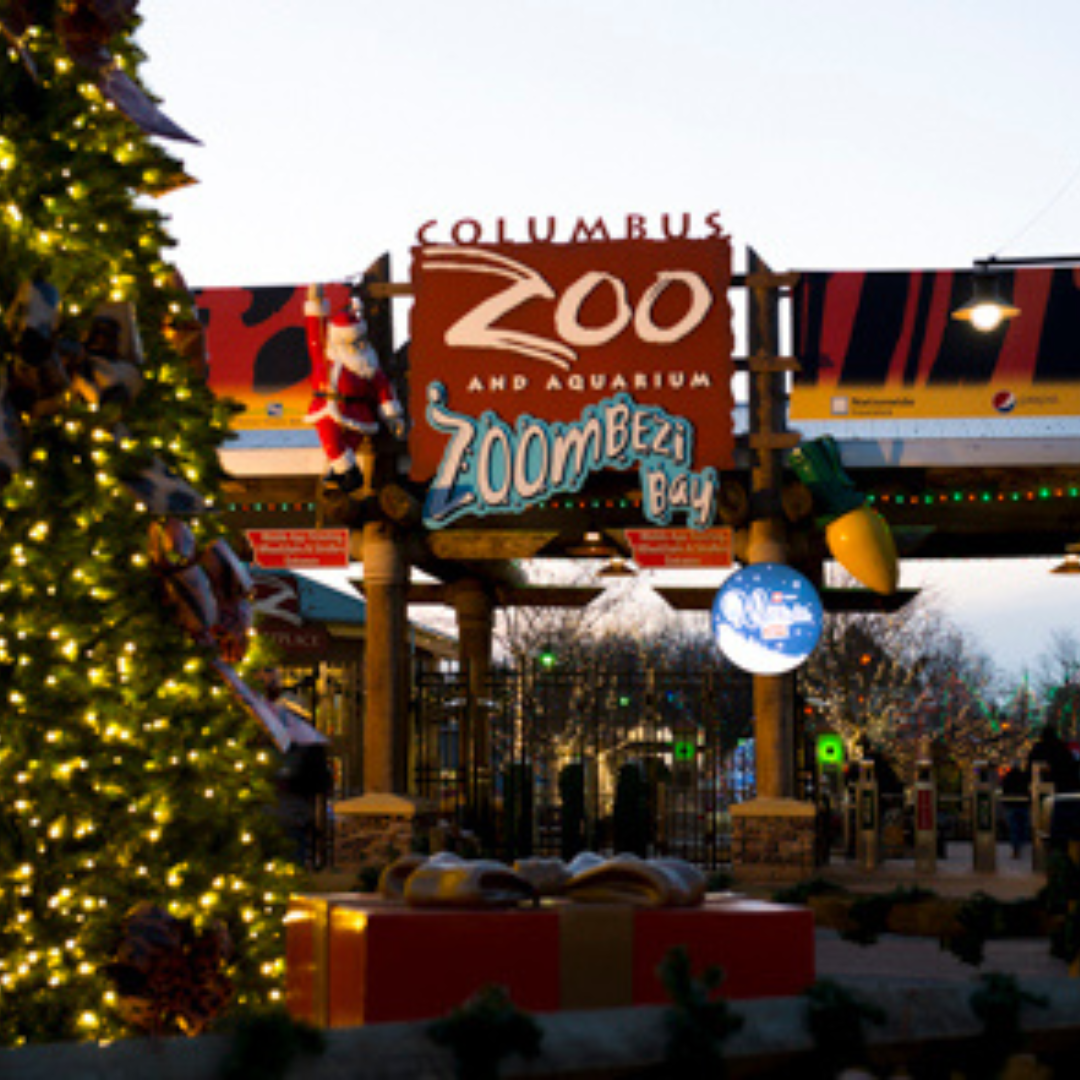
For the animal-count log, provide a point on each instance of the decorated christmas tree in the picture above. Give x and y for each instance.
(142, 883)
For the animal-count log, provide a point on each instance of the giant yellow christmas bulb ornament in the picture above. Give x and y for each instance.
(862, 543)
(859, 538)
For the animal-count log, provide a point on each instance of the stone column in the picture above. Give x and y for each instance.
(774, 839)
(386, 661)
(475, 610)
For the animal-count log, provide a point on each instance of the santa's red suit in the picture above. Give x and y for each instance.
(351, 391)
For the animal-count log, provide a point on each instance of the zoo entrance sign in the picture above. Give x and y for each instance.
(535, 365)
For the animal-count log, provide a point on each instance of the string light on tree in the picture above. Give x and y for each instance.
(105, 810)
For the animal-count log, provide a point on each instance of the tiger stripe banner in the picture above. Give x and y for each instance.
(257, 351)
(882, 345)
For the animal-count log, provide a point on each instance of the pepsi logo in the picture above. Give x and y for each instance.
(1004, 401)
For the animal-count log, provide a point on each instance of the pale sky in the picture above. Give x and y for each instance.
(842, 134)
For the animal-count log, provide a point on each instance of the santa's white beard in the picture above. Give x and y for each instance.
(359, 359)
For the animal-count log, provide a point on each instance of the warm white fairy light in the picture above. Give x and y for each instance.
(62, 965)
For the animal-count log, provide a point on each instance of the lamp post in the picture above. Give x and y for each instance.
(987, 309)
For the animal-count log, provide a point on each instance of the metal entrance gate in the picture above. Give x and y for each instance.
(602, 759)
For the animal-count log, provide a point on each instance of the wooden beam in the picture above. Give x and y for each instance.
(571, 596)
(687, 597)
(758, 280)
(385, 289)
(496, 544)
(768, 279)
(866, 601)
(774, 440)
(766, 363)
(420, 592)
(849, 601)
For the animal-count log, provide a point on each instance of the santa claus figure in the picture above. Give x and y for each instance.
(352, 393)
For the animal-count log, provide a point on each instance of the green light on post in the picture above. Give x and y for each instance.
(830, 750)
(684, 750)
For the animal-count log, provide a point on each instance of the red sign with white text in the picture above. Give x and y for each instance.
(681, 549)
(282, 549)
(547, 331)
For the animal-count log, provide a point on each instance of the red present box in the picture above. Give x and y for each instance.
(357, 959)
(764, 949)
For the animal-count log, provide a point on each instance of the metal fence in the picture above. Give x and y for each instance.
(549, 762)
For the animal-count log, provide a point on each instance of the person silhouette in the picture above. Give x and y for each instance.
(1016, 800)
(1064, 770)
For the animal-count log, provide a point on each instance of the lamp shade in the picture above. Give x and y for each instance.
(1071, 565)
(862, 543)
(616, 567)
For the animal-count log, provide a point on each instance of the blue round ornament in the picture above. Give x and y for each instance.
(767, 618)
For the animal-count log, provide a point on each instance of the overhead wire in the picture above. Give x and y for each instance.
(1054, 200)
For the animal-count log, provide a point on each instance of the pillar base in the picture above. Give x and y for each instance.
(774, 839)
(374, 829)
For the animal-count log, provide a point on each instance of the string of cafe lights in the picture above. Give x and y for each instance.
(1041, 492)
(631, 502)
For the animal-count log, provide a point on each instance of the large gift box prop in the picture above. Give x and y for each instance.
(360, 959)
